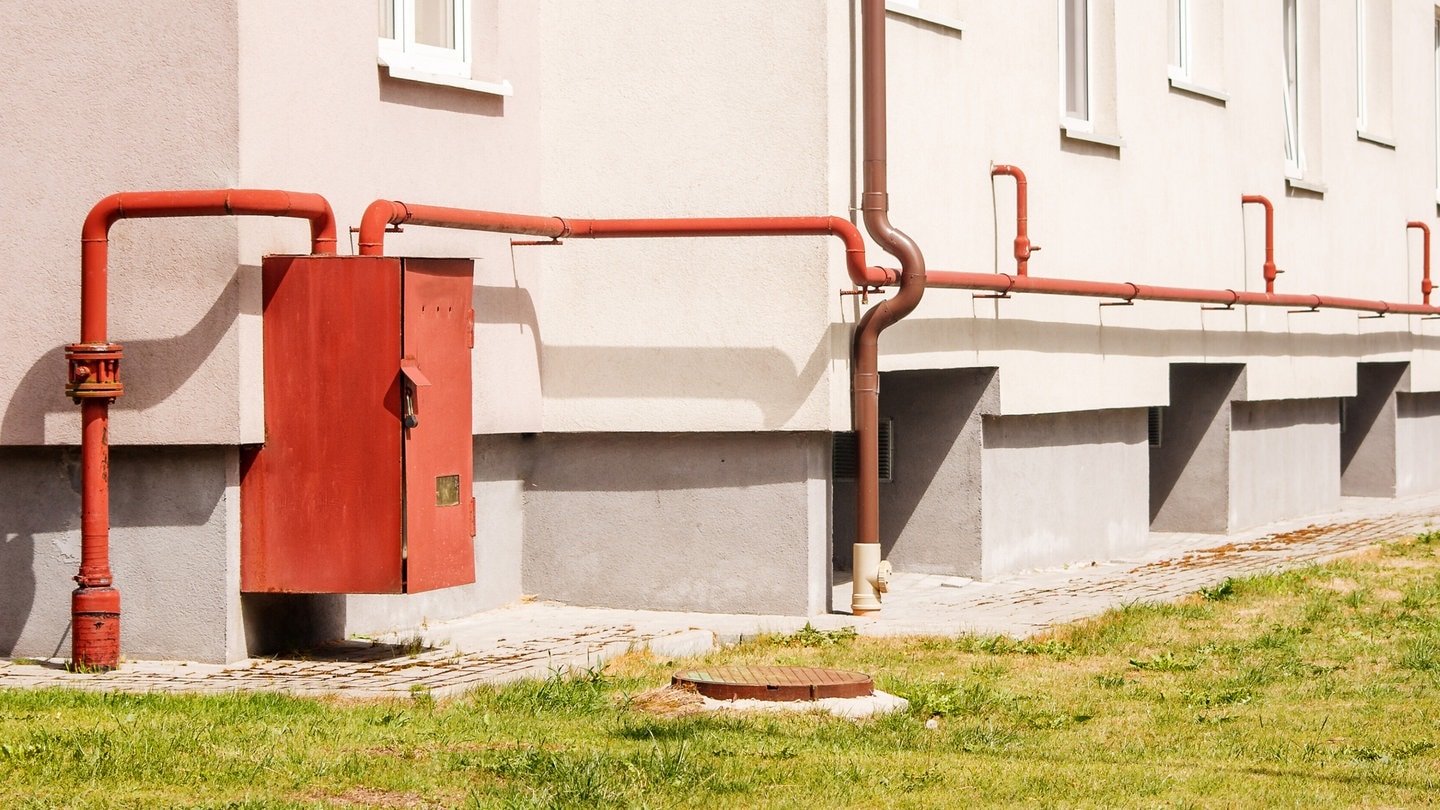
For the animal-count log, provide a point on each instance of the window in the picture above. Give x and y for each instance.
(1180, 40)
(1373, 72)
(1087, 98)
(1075, 62)
(428, 35)
(1437, 111)
(433, 41)
(1294, 159)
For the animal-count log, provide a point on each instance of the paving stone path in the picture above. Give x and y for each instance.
(538, 639)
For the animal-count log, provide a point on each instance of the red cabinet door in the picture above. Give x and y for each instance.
(435, 417)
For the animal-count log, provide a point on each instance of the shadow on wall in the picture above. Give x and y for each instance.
(967, 334)
(162, 364)
(17, 586)
(40, 521)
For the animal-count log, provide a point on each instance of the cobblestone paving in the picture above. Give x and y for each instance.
(535, 639)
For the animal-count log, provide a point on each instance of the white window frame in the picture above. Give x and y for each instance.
(1362, 103)
(1437, 108)
(404, 58)
(1290, 87)
(1075, 120)
(1179, 68)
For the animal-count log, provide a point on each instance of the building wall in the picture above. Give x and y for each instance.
(1161, 208)
(1368, 452)
(121, 96)
(1417, 433)
(732, 523)
(173, 549)
(1284, 460)
(1190, 469)
(721, 110)
(1063, 488)
(931, 512)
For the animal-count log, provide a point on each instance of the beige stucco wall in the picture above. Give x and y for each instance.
(692, 109)
(103, 98)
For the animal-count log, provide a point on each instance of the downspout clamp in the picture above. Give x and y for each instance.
(875, 204)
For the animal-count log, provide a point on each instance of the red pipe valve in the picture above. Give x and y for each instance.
(94, 371)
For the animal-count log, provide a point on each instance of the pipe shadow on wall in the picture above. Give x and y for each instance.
(968, 334)
(153, 368)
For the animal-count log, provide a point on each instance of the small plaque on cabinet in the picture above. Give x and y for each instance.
(447, 490)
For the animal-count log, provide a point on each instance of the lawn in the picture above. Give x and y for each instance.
(1311, 688)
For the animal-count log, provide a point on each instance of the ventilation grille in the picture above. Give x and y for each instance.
(1156, 425)
(1344, 414)
(845, 455)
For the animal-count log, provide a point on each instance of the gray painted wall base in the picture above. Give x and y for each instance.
(1284, 460)
(1225, 465)
(930, 515)
(715, 522)
(1063, 488)
(1190, 468)
(170, 551)
(1417, 435)
(1367, 434)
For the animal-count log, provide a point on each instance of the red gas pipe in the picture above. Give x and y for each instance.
(1023, 248)
(1126, 291)
(1425, 286)
(381, 214)
(94, 382)
(1270, 271)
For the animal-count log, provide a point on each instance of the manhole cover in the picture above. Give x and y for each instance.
(775, 683)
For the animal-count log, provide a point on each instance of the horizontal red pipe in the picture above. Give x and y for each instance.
(384, 213)
(1123, 290)
(156, 204)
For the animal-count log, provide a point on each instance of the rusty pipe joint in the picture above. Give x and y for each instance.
(94, 371)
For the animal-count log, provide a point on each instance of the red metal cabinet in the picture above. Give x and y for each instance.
(363, 484)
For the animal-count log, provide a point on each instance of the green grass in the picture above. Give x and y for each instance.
(1318, 687)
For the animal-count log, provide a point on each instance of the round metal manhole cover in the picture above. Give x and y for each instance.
(775, 683)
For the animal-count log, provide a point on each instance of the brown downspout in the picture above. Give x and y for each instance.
(875, 203)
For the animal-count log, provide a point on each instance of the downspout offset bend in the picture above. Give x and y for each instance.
(875, 204)
(94, 382)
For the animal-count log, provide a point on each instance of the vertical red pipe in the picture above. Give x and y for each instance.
(1023, 248)
(94, 382)
(875, 203)
(1269, 269)
(1425, 286)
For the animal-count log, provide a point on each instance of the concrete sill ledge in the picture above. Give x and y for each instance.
(914, 13)
(501, 88)
(1206, 93)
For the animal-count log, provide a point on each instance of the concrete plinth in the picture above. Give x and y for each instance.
(1368, 431)
(930, 514)
(1417, 434)
(1062, 488)
(735, 522)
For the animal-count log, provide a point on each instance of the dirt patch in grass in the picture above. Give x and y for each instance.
(371, 797)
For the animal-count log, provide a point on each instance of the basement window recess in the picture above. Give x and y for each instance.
(432, 41)
(845, 454)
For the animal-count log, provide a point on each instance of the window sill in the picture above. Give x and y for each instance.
(1378, 140)
(1183, 86)
(1306, 184)
(1076, 132)
(914, 13)
(410, 74)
